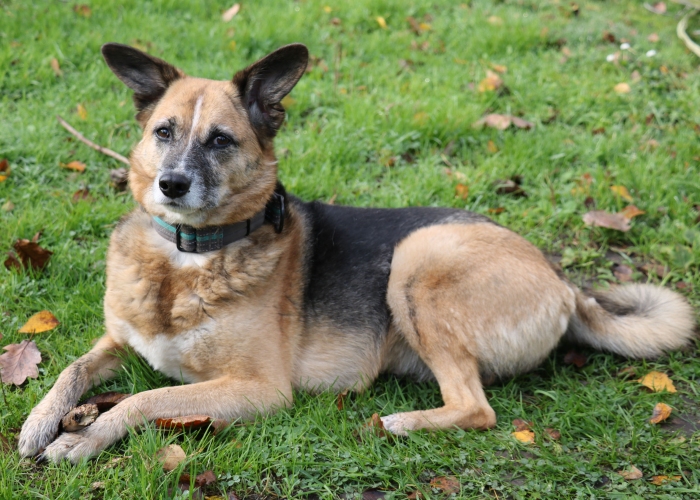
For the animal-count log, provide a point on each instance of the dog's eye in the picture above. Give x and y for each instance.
(163, 133)
(221, 141)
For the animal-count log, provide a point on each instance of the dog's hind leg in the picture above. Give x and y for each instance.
(468, 299)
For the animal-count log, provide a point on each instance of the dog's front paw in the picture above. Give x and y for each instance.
(396, 424)
(74, 446)
(37, 432)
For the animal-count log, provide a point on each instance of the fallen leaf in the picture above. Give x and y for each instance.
(288, 102)
(622, 272)
(522, 425)
(622, 88)
(80, 417)
(82, 10)
(119, 178)
(12, 262)
(630, 212)
(653, 38)
(491, 147)
(631, 474)
(659, 8)
(78, 166)
(82, 112)
(609, 37)
(414, 495)
(510, 186)
(340, 400)
(231, 12)
(8, 206)
(461, 191)
(491, 83)
(627, 372)
(171, 456)
(4, 169)
(520, 123)
(381, 22)
(553, 434)
(661, 412)
(622, 192)
(496, 211)
(657, 269)
(56, 67)
(575, 358)
(186, 422)
(31, 254)
(657, 382)
(495, 20)
(82, 195)
(107, 400)
(659, 480)
(448, 484)
(499, 68)
(415, 25)
(97, 485)
(493, 120)
(598, 131)
(19, 362)
(376, 425)
(43, 321)
(601, 218)
(524, 436)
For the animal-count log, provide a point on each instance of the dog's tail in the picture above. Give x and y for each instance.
(640, 321)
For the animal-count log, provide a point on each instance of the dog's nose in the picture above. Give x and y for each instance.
(174, 185)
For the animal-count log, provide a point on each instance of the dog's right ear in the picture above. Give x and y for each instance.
(149, 77)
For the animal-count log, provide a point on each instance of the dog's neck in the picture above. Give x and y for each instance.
(209, 238)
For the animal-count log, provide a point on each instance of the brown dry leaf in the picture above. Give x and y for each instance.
(171, 456)
(553, 434)
(376, 425)
(107, 400)
(499, 68)
(31, 254)
(522, 425)
(622, 192)
(657, 269)
(661, 412)
(448, 484)
(623, 273)
(520, 123)
(575, 358)
(201, 480)
(78, 166)
(82, 195)
(4, 169)
(657, 382)
(82, 10)
(414, 495)
(12, 262)
(43, 321)
(525, 436)
(630, 212)
(491, 83)
(186, 422)
(631, 474)
(461, 191)
(491, 147)
(493, 120)
(340, 400)
(653, 38)
(659, 8)
(622, 88)
(583, 185)
(659, 480)
(415, 25)
(601, 218)
(80, 417)
(511, 186)
(231, 12)
(496, 211)
(19, 362)
(82, 112)
(56, 67)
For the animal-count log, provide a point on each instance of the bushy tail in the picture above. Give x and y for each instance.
(640, 321)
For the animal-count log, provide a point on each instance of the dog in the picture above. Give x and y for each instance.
(222, 279)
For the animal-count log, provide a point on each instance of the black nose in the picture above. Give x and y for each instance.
(174, 185)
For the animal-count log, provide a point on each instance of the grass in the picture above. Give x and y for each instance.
(373, 99)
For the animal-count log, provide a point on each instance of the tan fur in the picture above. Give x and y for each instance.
(467, 301)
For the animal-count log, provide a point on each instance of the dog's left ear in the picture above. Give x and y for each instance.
(263, 84)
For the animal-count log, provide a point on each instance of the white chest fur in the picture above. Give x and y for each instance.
(169, 354)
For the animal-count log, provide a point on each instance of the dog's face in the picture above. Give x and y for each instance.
(206, 155)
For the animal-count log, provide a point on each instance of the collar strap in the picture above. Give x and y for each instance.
(210, 238)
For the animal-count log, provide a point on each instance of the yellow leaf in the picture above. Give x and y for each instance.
(630, 212)
(499, 68)
(661, 412)
(461, 191)
(56, 67)
(622, 192)
(78, 166)
(659, 480)
(42, 321)
(491, 147)
(424, 27)
(288, 101)
(524, 436)
(495, 20)
(327, 9)
(232, 45)
(82, 112)
(657, 382)
(490, 83)
(381, 22)
(622, 88)
(3, 178)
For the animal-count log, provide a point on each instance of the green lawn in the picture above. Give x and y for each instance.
(376, 122)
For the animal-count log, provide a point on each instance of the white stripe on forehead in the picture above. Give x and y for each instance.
(195, 118)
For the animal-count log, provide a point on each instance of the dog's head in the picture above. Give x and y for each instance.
(206, 155)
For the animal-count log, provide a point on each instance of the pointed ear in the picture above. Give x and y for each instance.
(149, 77)
(263, 84)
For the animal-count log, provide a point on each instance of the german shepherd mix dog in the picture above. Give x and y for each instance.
(224, 280)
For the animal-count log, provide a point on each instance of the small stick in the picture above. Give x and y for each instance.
(683, 35)
(96, 147)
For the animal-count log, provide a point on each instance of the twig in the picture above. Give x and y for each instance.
(683, 35)
(96, 147)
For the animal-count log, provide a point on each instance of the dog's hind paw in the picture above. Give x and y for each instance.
(395, 424)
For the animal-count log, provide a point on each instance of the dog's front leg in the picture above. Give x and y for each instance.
(41, 426)
(223, 398)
